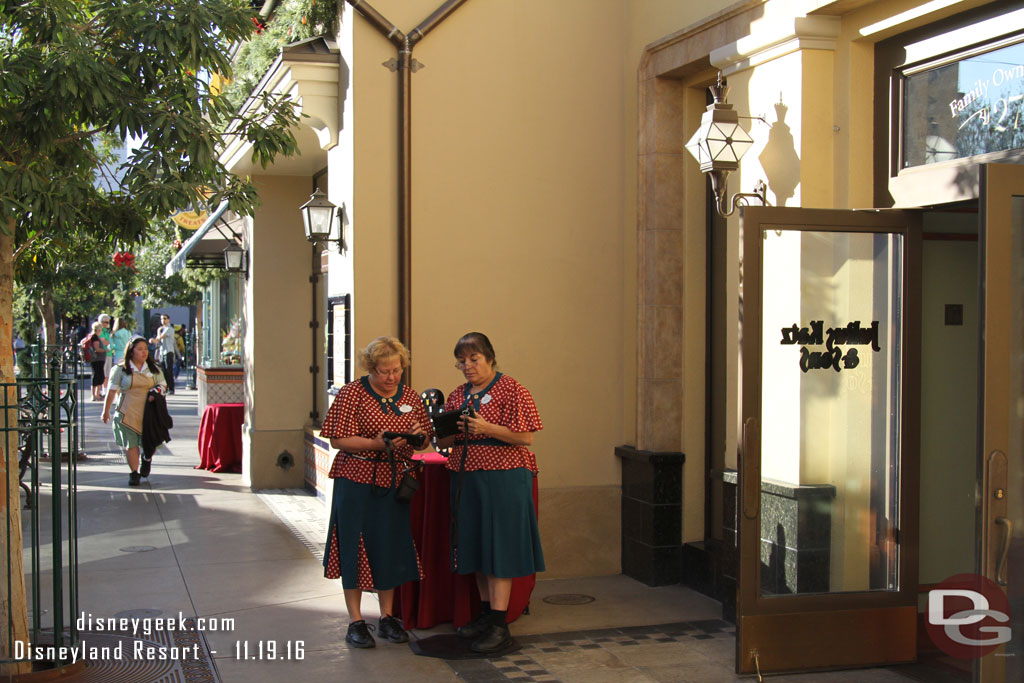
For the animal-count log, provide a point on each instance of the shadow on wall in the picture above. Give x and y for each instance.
(779, 159)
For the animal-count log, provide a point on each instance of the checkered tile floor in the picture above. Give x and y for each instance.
(525, 665)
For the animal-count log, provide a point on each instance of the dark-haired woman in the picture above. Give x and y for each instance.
(99, 359)
(492, 499)
(130, 384)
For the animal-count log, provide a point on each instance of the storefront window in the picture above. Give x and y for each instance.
(972, 106)
(223, 329)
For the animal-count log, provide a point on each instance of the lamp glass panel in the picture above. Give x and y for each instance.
(696, 145)
(720, 150)
(233, 259)
(741, 136)
(722, 131)
(319, 220)
(740, 147)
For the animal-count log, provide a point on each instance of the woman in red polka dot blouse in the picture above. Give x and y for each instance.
(369, 540)
(495, 532)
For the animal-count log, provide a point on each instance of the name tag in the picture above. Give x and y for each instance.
(485, 400)
(405, 409)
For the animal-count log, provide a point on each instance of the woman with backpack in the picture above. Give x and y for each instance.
(94, 352)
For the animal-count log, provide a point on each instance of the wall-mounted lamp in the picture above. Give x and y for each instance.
(318, 217)
(718, 145)
(318, 214)
(234, 259)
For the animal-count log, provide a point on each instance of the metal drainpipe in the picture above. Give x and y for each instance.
(314, 325)
(405, 43)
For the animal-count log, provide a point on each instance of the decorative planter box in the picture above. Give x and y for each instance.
(220, 385)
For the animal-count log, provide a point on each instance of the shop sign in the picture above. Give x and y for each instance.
(969, 107)
(834, 339)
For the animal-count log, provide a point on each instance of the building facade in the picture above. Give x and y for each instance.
(803, 410)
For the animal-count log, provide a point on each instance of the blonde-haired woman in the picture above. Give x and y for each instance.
(369, 540)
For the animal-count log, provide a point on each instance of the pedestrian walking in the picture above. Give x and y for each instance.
(166, 349)
(105, 335)
(133, 383)
(96, 352)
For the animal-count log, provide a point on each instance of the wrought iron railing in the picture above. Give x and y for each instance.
(43, 409)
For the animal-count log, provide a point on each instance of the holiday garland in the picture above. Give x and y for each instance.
(292, 21)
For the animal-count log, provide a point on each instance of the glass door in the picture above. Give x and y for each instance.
(828, 490)
(997, 626)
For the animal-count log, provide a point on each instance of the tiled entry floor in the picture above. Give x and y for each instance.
(612, 638)
(596, 654)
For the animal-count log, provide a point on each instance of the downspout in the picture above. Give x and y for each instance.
(406, 65)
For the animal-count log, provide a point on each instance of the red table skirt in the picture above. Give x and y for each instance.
(442, 596)
(220, 437)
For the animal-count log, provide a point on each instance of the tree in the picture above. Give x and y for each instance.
(80, 280)
(180, 289)
(74, 73)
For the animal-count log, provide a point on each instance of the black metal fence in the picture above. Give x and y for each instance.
(43, 407)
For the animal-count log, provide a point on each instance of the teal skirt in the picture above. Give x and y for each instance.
(125, 437)
(371, 514)
(495, 525)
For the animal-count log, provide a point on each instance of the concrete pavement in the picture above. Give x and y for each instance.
(201, 544)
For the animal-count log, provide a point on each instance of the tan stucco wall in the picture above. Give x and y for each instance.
(277, 348)
(519, 229)
(527, 141)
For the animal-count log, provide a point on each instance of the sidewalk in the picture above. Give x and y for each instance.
(199, 543)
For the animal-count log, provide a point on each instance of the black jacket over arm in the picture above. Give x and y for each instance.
(156, 424)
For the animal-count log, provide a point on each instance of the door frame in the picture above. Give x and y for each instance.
(847, 629)
(999, 184)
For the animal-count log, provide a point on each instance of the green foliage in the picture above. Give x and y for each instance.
(293, 20)
(74, 73)
(181, 289)
(83, 286)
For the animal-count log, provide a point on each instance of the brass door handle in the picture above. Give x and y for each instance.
(1001, 579)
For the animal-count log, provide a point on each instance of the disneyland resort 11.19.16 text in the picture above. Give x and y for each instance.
(127, 649)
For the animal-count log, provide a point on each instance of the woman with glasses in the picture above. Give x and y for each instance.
(369, 539)
(492, 494)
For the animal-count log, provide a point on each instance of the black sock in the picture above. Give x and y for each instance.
(485, 607)
(497, 617)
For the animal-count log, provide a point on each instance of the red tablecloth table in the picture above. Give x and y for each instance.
(220, 437)
(442, 596)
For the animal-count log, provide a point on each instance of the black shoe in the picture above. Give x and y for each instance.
(145, 466)
(494, 639)
(134, 479)
(390, 629)
(475, 628)
(359, 635)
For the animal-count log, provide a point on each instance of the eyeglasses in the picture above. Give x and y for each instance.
(397, 372)
(463, 364)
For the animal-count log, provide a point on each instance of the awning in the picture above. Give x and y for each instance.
(202, 250)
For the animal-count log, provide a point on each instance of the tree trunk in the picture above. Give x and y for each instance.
(45, 307)
(13, 607)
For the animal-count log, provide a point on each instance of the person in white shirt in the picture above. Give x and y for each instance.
(166, 348)
(130, 382)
